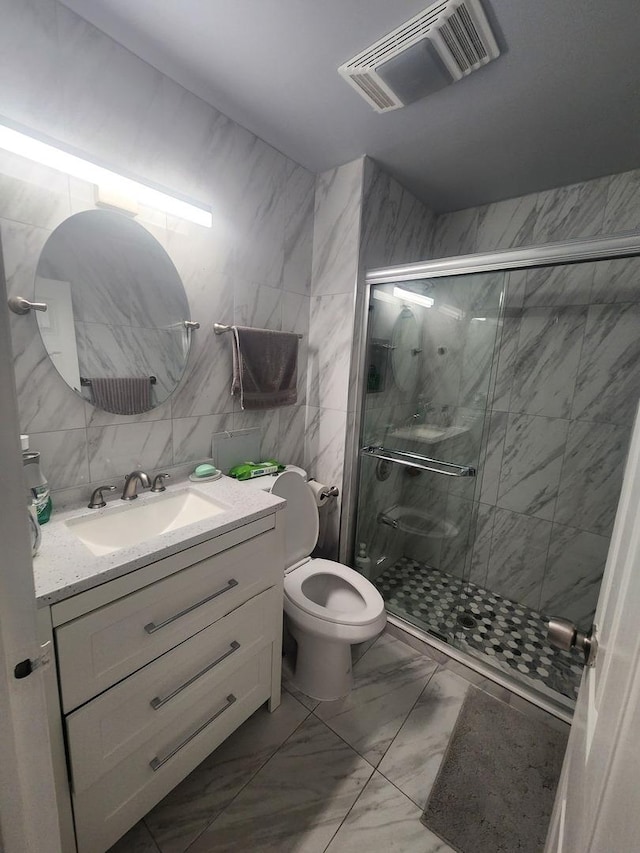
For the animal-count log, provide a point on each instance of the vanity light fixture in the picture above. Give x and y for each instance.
(450, 311)
(416, 298)
(383, 296)
(25, 145)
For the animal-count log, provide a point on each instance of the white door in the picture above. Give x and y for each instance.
(597, 808)
(58, 329)
(28, 818)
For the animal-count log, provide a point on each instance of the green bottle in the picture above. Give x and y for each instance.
(37, 484)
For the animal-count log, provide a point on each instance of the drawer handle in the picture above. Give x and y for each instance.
(157, 763)
(151, 628)
(158, 703)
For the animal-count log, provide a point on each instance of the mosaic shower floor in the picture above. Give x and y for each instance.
(514, 636)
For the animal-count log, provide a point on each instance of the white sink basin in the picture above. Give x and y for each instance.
(427, 433)
(123, 526)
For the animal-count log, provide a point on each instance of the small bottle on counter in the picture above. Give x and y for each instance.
(363, 562)
(37, 484)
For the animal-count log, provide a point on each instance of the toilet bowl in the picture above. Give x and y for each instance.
(329, 607)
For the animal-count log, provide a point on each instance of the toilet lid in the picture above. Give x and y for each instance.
(300, 516)
(333, 592)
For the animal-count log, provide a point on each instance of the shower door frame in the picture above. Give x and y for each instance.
(548, 254)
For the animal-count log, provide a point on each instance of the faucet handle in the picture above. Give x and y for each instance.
(97, 501)
(158, 482)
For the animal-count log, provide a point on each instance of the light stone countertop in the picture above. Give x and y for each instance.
(64, 566)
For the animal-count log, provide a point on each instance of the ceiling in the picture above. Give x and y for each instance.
(559, 106)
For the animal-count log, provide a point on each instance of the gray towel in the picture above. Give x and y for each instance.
(265, 368)
(122, 396)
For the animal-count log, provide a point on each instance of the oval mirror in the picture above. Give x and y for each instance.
(115, 325)
(405, 349)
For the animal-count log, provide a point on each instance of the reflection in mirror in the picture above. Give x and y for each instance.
(115, 325)
(405, 349)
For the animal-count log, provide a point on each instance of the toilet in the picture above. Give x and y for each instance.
(329, 607)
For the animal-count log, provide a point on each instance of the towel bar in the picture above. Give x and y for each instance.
(83, 381)
(220, 329)
(417, 460)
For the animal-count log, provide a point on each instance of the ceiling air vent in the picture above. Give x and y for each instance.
(445, 42)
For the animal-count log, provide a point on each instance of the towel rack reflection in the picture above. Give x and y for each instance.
(417, 460)
(83, 381)
(220, 329)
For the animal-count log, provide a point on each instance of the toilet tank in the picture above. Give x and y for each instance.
(301, 523)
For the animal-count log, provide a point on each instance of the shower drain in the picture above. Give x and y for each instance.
(467, 621)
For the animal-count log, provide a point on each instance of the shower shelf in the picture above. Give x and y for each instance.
(417, 460)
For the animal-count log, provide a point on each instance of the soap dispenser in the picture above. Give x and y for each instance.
(363, 562)
(37, 485)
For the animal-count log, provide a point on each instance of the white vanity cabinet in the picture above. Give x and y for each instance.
(157, 667)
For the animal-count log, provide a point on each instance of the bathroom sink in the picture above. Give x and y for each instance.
(428, 433)
(124, 526)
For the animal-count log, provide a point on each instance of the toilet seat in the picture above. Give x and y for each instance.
(352, 599)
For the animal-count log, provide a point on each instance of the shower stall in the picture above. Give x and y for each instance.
(497, 400)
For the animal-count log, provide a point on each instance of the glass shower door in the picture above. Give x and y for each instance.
(431, 361)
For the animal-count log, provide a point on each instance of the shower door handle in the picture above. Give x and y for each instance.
(563, 634)
(416, 460)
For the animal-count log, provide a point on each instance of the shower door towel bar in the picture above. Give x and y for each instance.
(417, 460)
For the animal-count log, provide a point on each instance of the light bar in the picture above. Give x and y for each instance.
(382, 296)
(48, 155)
(410, 296)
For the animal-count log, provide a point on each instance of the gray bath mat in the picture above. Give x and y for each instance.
(495, 789)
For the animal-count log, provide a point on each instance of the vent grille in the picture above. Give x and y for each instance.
(459, 32)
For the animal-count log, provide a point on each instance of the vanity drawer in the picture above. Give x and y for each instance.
(109, 807)
(105, 731)
(101, 648)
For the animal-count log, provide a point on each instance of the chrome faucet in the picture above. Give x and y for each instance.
(130, 491)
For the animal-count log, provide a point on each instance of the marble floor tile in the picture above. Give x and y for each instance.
(413, 759)
(296, 802)
(384, 819)
(387, 681)
(137, 840)
(360, 649)
(184, 813)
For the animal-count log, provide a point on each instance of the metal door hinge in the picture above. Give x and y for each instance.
(564, 634)
(27, 666)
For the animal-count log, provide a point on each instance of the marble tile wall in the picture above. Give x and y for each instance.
(336, 240)
(565, 392)
(363, 218)
(253, 266)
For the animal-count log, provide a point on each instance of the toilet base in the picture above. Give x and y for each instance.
(323, 667)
